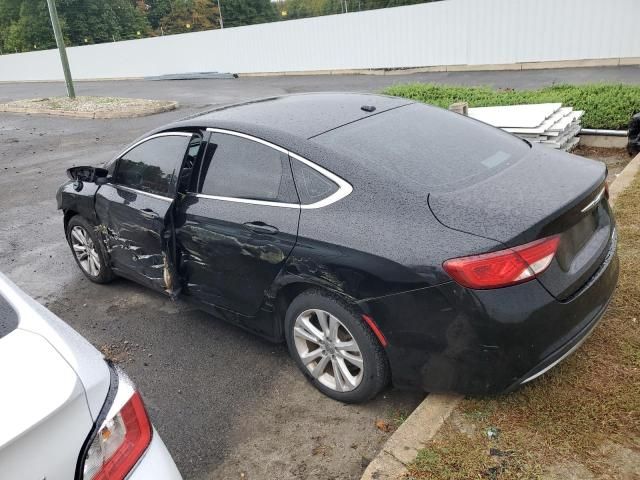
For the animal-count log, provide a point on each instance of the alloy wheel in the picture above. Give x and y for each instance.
(328, 350)
(85, 251)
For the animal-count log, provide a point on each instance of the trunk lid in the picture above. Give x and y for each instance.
(44, 409)
(545, 193)
(54, 385)
(82, 357)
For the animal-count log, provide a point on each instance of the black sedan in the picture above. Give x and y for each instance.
(383, 239)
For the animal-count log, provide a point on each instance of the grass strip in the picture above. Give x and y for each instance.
(606, 106)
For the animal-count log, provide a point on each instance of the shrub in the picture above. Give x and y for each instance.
(605, 106)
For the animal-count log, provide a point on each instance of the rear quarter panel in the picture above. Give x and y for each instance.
(377, 241)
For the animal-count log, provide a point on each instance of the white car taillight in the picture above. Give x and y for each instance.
(122, 438)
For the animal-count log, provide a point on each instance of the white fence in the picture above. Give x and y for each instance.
(447, 33)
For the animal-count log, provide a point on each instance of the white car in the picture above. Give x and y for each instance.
(65, 413)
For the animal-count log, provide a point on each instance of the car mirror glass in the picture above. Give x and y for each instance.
(88, 174)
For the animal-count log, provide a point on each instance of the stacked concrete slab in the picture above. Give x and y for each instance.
(549, 124)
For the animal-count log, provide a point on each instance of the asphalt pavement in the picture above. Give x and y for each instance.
(228, 404)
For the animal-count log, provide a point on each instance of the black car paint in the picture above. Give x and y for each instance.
(133, 226)
(381, 248)
(450, 338)
(81, 202)
(226, 262)
(517, 219)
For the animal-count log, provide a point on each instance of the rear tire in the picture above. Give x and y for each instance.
(326, 335)
(88, 250)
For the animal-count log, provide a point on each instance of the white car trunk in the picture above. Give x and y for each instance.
(44, 415)
(53, 384)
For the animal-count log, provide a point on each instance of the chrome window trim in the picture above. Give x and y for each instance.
(594, 202)
(142, 192)
(247, 200)
(344, 187)
(155, 135)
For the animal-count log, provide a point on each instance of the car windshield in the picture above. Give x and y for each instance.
(428, 147)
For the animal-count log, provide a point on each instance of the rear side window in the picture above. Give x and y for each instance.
(152, 165)
(237, 167)
(427, 147)
(312, 185)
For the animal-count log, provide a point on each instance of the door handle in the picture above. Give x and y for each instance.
(261, 227)
(149, 213)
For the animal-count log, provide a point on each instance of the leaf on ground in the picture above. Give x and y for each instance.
(384, 426)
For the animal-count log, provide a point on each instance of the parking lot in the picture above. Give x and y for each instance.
(228, 404)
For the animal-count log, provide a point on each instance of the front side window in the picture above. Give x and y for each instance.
(236, 167)
(152, 165)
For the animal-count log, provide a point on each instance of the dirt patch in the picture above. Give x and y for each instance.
(120, 352)
(615, 158)
(89, 107)
(580, 420)
(298, 441)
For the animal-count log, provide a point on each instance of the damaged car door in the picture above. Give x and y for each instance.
(239, 223)
(135, 208)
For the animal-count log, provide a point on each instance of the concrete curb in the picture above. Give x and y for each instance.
(425, 421)
(602, 62)
(584, 63)
(132, 113)
(624, 179)
(603, 141)
(402, 447)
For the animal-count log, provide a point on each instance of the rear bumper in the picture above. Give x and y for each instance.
(156, 463)
(558, 356)
(449, 338)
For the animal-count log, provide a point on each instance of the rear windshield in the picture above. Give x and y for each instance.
(429, 147)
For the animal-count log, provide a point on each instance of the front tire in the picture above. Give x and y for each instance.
(88, 250)
(334, 348)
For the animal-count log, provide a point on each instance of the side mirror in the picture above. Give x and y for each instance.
(88, 174)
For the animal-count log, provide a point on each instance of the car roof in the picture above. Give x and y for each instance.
(302, 115)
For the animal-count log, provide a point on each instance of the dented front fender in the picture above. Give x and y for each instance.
(80, 201)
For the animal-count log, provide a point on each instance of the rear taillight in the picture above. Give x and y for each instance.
(120, 441)
(504, 267)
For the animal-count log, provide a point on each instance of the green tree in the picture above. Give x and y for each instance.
(247, 12)
(302, 8)
(157, 10)
(9, 13)
(98, 21)
(25, 24)
(191, 15)
(313, 8)
(30, 30)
